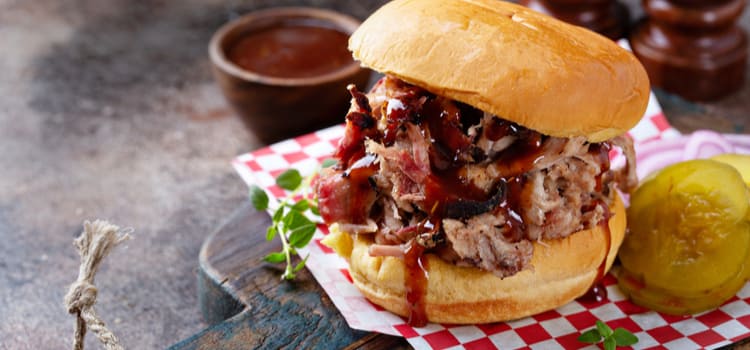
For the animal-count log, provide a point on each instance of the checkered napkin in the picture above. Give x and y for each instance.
(550, 330)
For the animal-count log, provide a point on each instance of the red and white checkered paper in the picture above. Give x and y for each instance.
(550, 330)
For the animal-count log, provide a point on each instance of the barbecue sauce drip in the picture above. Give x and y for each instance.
(499, 128)
(445, 122)
(443, 119)
(359, 176)
(510, 209)
(597, 292)
(416, 283)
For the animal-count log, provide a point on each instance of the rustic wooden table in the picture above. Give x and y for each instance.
(108, 110)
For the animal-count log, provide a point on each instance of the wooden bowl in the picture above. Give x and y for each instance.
(276, 108)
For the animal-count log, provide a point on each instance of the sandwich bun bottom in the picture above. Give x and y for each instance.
(563, 270)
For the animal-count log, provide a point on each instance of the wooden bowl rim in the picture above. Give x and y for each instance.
(339, 21)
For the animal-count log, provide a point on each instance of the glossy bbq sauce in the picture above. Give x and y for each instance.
(292, 50)
(597, 291)
(445, 186)
(416, 283)
(359, 175)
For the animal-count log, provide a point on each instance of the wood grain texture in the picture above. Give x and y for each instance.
(262, 311)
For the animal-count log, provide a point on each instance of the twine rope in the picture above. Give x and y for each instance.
(95, 242)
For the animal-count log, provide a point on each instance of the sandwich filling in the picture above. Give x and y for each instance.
(419, 170)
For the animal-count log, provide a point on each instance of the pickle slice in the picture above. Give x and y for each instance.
(741, 162)
(689, 236)
(671, 303)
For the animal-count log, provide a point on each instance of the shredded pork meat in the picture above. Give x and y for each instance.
(466, 185)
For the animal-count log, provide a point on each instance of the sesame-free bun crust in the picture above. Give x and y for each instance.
(563, 270)
(539, 72)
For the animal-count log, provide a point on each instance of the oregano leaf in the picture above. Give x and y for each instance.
(590, 336)
(294, 220)
(301, 264)
(258, 198)
(301, 235)
(623, 337)
(289, 180)
(301, 206)
(289, 220)
(603, 329)
(274, 258)
(610, 339)
(609, 343)
(270, 233)
(278, 214)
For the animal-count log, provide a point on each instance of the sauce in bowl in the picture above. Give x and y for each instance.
(292, 50)
(285, 70)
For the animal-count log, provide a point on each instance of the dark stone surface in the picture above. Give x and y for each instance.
(108, 110)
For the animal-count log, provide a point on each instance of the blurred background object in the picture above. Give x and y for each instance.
(607, 17)
(285, 70)
(693, 48)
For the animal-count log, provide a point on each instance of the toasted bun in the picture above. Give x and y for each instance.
(563, 270)
(546, 75)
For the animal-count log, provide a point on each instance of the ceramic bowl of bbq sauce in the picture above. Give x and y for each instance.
(285, 70)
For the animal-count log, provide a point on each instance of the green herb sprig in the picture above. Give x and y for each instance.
(289, 222)
(611, 339)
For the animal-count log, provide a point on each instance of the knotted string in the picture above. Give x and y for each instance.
(96, 241)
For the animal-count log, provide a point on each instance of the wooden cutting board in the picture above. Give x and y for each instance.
(249, 307)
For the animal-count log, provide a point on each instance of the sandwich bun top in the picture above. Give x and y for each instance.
(525, 67)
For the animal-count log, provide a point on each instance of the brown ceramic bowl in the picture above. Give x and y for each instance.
(275, 108)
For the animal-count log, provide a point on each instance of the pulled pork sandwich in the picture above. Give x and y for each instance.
(473, 181)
